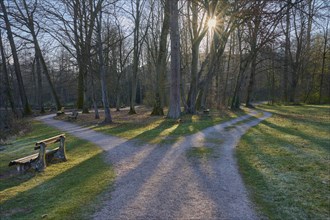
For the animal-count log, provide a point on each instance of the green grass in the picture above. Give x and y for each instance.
(66, 190)
(200, 152)
(162, 130)
(285, 162)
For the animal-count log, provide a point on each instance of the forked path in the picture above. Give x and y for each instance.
(164, 182)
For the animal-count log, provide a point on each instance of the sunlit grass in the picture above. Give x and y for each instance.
(66, 190)
(161, 130)
(285, 162)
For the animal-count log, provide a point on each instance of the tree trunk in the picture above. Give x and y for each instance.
(287, 51)
(196, 39)
(192, 95)
(26, 106)
(161, 63)
(8, 89)
(251, 81)
(39, 83)
(323, 61)
(136, 56)
(107, 114)
(174, 108)
(243, 63)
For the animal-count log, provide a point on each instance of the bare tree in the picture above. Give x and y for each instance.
(7, 89)
(26, 18)
(161, 63)
(324, 56)
(102, 71)
(174, 108)
(25, 103)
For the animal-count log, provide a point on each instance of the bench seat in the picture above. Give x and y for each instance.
(39, 160)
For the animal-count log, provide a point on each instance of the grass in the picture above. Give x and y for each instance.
(285, 162)
(68, 190)
(200, 152)
(153, 129)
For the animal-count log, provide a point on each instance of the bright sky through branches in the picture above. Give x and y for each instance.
(212, 23)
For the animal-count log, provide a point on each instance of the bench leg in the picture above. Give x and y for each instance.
(40, 163)
(21, 168)
(60, 154)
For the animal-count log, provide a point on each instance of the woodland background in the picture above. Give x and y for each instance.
(113, 53)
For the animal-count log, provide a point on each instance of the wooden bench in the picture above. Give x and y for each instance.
(60, 112)
(206, 111)
(73, 116)
(38, 161)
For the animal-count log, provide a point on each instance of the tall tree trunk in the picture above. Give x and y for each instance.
(192, 95)
(196, 40)
(251, 81)
(26, 106)
(96, 109)
(254, 54)
(243, 63)
(287, 53)
(107, 114)
(231, 47)
(8, 89)
(39, 83)
(323, 61)
(161, 63)
(136, 56)
(174, 108)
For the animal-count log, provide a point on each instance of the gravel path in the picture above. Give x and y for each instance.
(162, 182)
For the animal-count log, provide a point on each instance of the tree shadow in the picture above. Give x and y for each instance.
(53, 196)
(320, 142)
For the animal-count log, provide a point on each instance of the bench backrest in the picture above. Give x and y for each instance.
(49, 141)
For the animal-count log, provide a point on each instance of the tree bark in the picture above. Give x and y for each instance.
(39, 82)
(174, 108)
(195, 40)
(107, 114)
(323, 61)
(136, 56)
(287, 53)
(161, 63)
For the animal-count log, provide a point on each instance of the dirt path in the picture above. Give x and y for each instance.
(162, 182)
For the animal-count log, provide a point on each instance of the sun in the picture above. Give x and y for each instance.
(212, 23)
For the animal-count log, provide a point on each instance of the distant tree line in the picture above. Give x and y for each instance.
(195, 54)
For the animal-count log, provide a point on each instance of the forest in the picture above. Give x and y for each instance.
(164, 109)
(182, 55)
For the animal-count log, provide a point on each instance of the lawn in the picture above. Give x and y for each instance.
(68, 190)
(154, 129)
(285, 162)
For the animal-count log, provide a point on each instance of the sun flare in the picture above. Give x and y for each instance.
(212, 23)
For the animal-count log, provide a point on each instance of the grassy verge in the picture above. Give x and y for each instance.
(285, 162)
(64, 191)
(154, 129)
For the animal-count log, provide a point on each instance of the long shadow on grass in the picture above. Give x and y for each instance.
(262, 190)
(321, 142)
(279, 175)
(53, 196)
